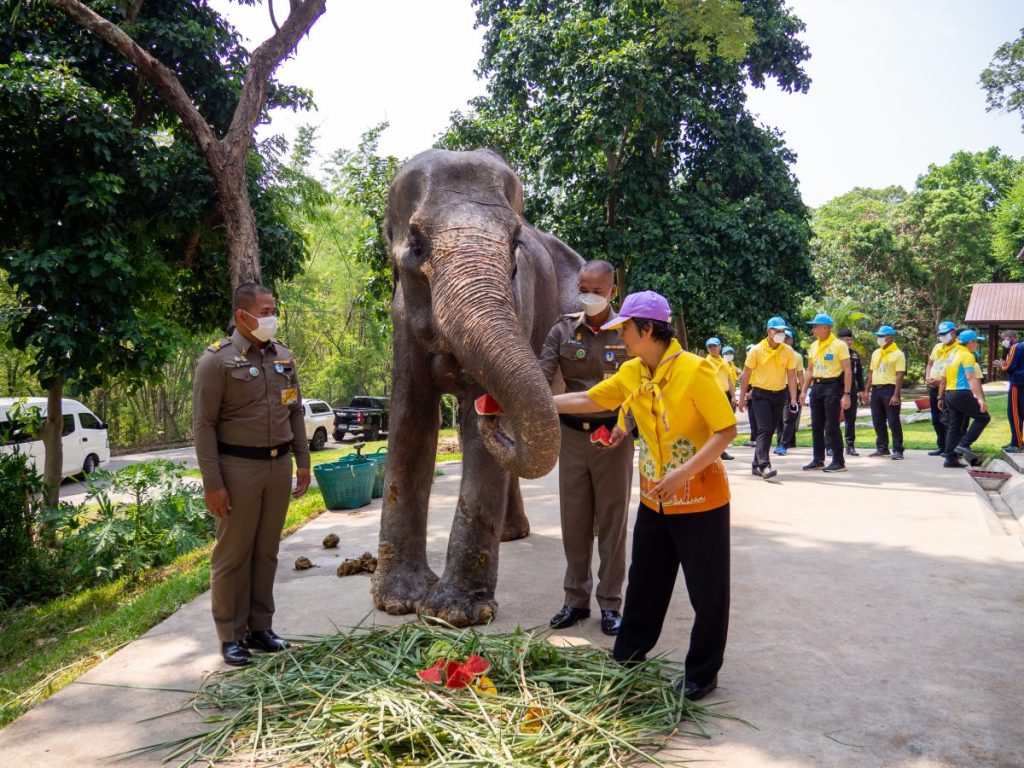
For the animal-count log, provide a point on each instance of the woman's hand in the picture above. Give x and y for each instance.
(671, 483)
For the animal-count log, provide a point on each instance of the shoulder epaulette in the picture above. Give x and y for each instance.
(218, 344)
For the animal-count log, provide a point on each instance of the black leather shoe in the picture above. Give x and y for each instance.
(953, 464)
(610, 622)
(814, 465)
(897, 455)
(569, 616)
(937, 452)
(967, 453)
(694, 691)
(851, 451)
(235, 654)
(266, 640)
(726, 456)
(833, 467)
(756, 471)
(879, 452)
(769, 472)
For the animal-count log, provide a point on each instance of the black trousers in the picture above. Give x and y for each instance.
(751, 417)
(883, 413)
(962, 406)
(699, 542)
(767, 407)
(785, 433)
(940, 426)
(849, 425)
(826, 397)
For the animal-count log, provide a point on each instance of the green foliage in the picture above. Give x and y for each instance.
(627, 123)
(1008, 232)
(1003, 79)
(107, 538)
(22, 563)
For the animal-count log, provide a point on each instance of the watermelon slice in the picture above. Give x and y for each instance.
(477, 665)
(601, 436)
(487, 406)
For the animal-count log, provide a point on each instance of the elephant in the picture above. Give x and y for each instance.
(477, 289)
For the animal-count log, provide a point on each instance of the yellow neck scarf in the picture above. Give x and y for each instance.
(652, 383)
(883, 355)
(771, 352)
(823, 346)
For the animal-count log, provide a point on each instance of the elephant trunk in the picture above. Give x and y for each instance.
(474, 313)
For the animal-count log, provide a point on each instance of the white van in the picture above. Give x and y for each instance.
(86, 446)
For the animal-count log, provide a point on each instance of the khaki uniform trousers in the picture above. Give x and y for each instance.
(594, 487)
(244, 561)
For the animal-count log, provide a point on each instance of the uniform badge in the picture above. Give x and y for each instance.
(254, 371)
(278, 368)
(609, 356)
(580, 354)
(289, 396)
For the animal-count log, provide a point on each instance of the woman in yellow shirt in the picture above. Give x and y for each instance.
(683, 517)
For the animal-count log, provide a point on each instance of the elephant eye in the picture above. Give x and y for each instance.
(515, 258)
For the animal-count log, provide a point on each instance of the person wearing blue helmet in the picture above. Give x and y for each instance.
(884, 389)
(722, 373)
(785, 433)
(934, 375)
(829, 378)
(963, 398)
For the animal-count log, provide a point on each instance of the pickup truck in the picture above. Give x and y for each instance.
(364, 416)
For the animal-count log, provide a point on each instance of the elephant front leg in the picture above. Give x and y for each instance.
(403, 577)
(465, 593)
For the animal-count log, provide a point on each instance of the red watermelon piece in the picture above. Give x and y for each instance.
(477, 665)
(487, 406)
(601, 436)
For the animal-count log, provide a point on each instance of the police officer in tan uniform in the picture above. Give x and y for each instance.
(594, 482)
(247, 420)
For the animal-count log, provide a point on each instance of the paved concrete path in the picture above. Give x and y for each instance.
(877, 620)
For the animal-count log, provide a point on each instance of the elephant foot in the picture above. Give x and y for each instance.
(516, 526)
(460, 607)
(398, 587)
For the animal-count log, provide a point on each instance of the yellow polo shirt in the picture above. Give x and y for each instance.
(768, 366)
(886, 362)
(826, 357)
(961, 366)
(676, 409)
(939, 357)
(722, 372)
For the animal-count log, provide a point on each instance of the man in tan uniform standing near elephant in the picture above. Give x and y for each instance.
(594, 482)
(247, 420)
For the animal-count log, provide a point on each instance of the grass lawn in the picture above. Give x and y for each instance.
(44, 648)
(917, 436)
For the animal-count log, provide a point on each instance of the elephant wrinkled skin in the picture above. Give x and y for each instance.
(477, 290)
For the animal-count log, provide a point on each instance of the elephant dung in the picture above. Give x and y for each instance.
(365, 563)
(303, 563)
(331, 541)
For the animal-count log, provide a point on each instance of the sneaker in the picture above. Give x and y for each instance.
(897, 455)
(937, 452)
(769, 472)
(1012, 449)
(726, 456)
(968, 454)
(851, 451)
(780, 450)
(828, 451)
(814, 465)
(833, 467)
(879, 452)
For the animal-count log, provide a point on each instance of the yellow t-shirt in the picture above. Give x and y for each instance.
(826, 357)
(940, 357)
(886, 362)
(768, 366)
(734, 375)
(676, 410)
(722, 373)
(961, 365)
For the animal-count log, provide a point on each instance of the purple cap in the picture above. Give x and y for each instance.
(646, 304)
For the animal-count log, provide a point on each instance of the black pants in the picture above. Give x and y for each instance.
(699, 542)
(826, 397)
(785, 433)
(963, 405)
(1015, 414)
(881, 414)
(767, 407)
(938, 424)
(849, 425)
(751, 418)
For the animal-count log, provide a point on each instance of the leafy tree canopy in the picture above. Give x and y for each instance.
(1003, 79)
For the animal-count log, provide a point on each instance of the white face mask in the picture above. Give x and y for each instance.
(1007, 343)
(728, 356)
(779, 338)
(946, 338)
(881, 341)
(593, 303)
(266, 329)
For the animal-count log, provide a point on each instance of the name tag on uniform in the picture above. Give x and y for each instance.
(289, 396)
(829, 356)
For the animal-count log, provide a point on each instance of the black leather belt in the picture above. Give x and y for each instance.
(586, 425)
(252, 452)
(829, 380)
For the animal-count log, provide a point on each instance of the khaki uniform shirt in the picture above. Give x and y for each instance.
(248, 396)
(584, 356)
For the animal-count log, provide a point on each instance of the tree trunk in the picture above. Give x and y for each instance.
(681, 333)
(53, 433)
(239, 219)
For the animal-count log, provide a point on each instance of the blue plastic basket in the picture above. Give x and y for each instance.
(380, 458)
(346, 483)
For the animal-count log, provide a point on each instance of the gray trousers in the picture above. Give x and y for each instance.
(594, 488)
(244, 560)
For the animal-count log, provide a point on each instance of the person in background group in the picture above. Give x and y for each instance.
(935, 375)
(828, 368)
(722, 373)
(729, 354)
(964, 400)
(769, 371)
(751, 416)
(683, 516)
(1013, 365)
(850, 414)
(594, 482)
(884, 391)
(785, 433)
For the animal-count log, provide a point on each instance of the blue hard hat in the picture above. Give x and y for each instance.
(776, 323)
(946, 326)
(714, 341)
(789, 333)
(886, 330)
(727, 349)
(821, 319)
(969, 335)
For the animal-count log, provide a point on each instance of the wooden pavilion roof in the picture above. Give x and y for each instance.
(999, 304)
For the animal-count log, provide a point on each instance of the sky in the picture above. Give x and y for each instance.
(894, 82)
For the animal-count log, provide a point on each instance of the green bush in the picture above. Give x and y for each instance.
(25, 572)
(137, 518)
